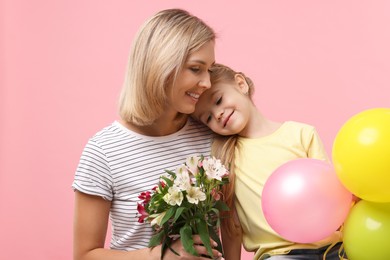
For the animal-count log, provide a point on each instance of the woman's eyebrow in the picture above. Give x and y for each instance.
(200, 61)
(197, 61)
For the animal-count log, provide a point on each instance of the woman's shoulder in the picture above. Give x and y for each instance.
(113, 132)
(118, 131)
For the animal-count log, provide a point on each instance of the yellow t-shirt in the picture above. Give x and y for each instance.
(255, 161)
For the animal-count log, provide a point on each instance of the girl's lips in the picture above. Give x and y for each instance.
(227, 119)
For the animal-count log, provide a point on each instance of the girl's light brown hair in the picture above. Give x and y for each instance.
(159, 51)
(224, 147)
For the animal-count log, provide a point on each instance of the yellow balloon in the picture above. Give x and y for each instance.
(361, 154)
(367, 231)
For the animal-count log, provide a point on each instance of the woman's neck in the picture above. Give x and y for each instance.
(160, 127)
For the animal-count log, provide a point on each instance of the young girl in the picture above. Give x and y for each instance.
(254, 147)
(168, 69)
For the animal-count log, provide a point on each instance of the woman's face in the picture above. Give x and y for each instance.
(192, 80)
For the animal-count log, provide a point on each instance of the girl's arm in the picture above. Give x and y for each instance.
(90, 227)
(232, 243)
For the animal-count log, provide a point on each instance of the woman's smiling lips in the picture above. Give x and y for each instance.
(193, 95)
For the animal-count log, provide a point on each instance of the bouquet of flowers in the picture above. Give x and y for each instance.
(186, 202)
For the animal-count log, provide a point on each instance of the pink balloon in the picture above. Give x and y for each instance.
(304, 201)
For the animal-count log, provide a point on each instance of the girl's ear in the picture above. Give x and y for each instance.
(241, 83)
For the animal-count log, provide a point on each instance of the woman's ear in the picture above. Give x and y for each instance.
(241, 83)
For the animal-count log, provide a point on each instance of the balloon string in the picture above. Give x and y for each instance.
(329, 248)
(341, 252)
(341, 249)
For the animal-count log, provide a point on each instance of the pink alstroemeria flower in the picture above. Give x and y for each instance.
(156, 187)
(216, 194)
(145, 196)
(141, 210)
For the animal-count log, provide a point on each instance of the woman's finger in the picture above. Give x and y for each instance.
(198, 241)
(202, 251)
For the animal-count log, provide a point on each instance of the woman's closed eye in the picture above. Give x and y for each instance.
(195, 69)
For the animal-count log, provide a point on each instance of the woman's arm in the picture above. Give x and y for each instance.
(89, 231)
(232, 242)
(90, 227)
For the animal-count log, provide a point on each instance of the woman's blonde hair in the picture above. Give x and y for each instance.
(159, 51)
(223, 147)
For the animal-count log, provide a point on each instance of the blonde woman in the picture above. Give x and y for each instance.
(168, 69)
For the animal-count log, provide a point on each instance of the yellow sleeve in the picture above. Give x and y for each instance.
(315, 148)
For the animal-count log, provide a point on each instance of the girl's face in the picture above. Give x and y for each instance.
(225, 108)
(192, 80)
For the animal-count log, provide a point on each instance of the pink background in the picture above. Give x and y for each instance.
(62, 64)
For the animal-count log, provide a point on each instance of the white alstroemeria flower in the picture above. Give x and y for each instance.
(194, 195)
(174, 196)
(192, 163)
(214, 169)
(157, 218)
(182, 181)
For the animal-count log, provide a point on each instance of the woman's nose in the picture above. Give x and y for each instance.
(205, 81)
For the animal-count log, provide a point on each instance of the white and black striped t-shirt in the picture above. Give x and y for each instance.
(118, 164)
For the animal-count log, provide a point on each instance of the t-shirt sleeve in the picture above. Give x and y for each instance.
(93, 174)
(315, 148)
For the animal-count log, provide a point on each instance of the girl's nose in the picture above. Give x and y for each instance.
(218, 116)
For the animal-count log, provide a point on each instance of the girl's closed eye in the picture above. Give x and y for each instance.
(219, 100)
(208, 119)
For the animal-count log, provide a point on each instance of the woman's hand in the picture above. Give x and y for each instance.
(199, 247)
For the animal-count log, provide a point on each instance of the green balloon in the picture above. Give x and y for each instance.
(367, 231)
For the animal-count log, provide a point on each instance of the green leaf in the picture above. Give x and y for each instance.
(216, 211)
(168, 215)
(170, 173)
(216, 238)
(214, 219)
(163, 248)
(167, 241)
(168, 244)
(221, 206)
(167, 180)
(186, 239)
(204, 235)
(178, 213)
(156, 239)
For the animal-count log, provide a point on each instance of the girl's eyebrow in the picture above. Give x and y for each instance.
(213, 93)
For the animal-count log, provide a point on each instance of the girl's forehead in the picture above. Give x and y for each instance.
(221, 86)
